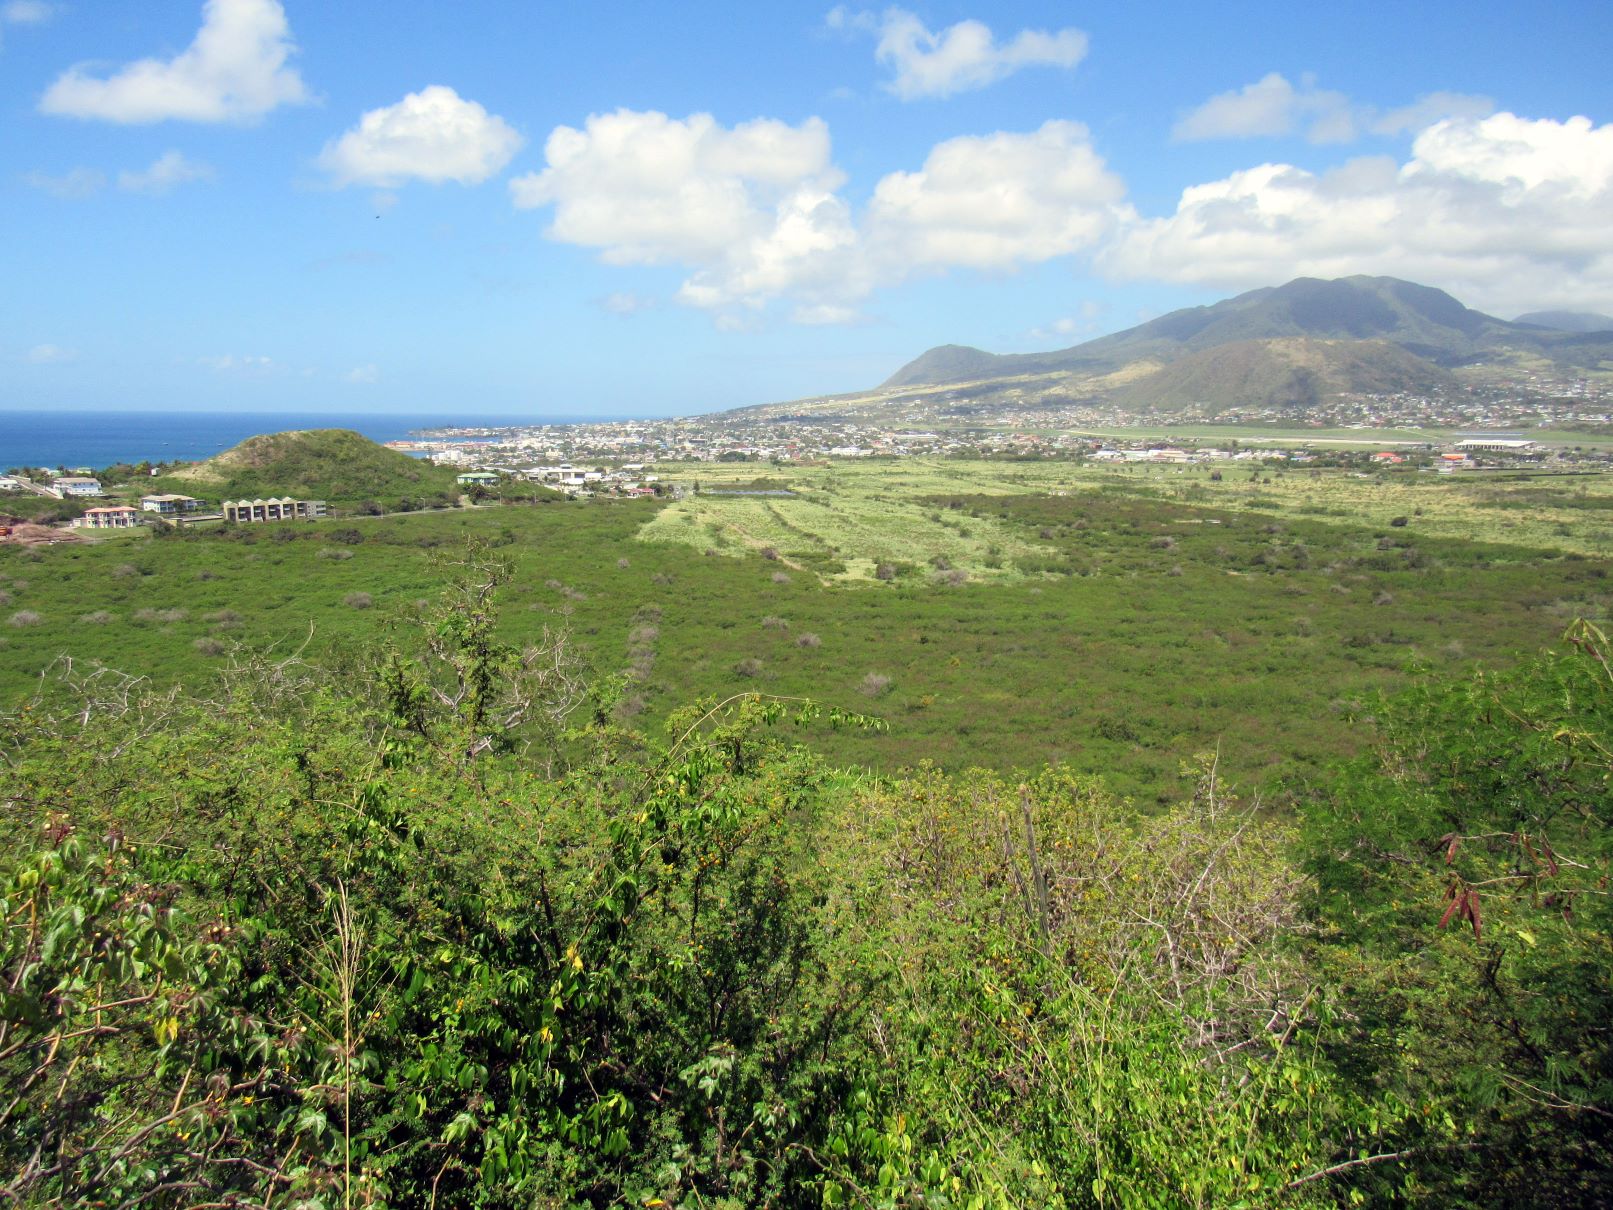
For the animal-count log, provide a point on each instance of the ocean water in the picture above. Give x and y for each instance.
(98, 439)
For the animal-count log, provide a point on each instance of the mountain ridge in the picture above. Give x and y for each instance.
(1413, 336)
(1568, 321)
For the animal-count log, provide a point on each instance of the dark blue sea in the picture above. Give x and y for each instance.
(99, 439)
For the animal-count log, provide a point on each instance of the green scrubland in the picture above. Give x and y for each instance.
(1195, 854)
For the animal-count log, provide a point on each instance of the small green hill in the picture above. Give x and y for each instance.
(335, 465)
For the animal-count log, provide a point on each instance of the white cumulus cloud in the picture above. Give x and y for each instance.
(755, 212)
(996, 201)
(1503, 211)
(167, 172)
(363, 375)
(1270, 106)
(236, 70)
(433, 135)
(649, 189)
(960, 57)
(751, 208)
(45, 355)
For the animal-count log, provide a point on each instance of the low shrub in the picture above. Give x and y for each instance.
(875, 684)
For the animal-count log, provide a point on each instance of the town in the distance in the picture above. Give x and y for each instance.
(1366, 374)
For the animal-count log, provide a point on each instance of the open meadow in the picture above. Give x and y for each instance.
(1002, 614)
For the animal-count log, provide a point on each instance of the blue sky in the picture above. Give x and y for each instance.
(642, 209)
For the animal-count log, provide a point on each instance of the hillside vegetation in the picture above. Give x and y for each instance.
(1000, 614)
(336, 465)
(429, 926)
(1291, 375)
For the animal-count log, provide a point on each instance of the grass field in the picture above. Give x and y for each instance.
(1258, 435)
(1035, 611)
(860, 513)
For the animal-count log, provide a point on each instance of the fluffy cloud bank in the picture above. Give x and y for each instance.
(961, 57)
(1503, 211)
(996, 201)
(432, 135)
(752, 207)
(755, 210)
(1507, 213)
(234, 71)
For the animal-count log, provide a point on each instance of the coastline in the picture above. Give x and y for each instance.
(101, 438)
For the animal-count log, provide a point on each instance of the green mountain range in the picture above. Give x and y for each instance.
(1287, 346)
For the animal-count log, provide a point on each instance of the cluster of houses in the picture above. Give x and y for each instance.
(630, 479)
(1173, 454)
(126, 516)
(171, 507)
(276, 508)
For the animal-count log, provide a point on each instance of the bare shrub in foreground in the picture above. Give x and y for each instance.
(874, 684)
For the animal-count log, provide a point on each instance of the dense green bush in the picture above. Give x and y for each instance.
(1464, 872)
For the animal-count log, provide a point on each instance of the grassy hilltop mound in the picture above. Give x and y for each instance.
(337, 465)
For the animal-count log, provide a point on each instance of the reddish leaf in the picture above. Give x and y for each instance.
(1473, 915)
(1450, 911)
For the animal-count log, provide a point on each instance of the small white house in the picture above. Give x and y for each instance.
(121, 516)
(72, 485)
(167, 505)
